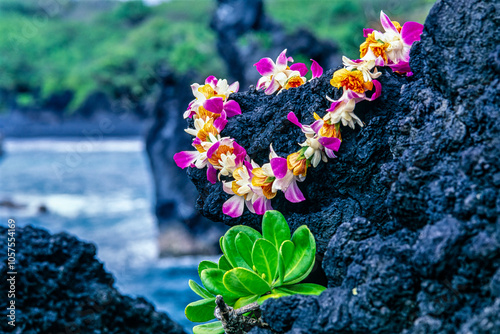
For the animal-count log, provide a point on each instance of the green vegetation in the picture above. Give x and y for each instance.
(343, 20)
(116, 47)
(254, 267)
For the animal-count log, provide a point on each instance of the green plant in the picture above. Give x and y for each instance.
(253, 268)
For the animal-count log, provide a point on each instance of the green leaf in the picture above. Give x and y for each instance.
(206, 265)
(224, 263)
(244, 301)
(302, 260)
(210, 328)
(221, 244)
(212, 280)
(285, 255)
(245, 282)
(275, 228)
(302, 289)
(201, 310)
(265, 259)
(199, 290)
(229, 245)
(275, 293)
(244, 246)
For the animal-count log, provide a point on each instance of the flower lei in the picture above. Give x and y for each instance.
(254, 185)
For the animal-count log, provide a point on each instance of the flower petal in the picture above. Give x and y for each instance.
(185, 158)
(240, 153)
(265, 66)
(273, 87)
(377, 92)
(316, 126)
(279, 166)
(301, 67)
(411, 32)
(293, 193)
(232, 108)
(367, 32)
(293, 118)
(215, 105)
(220, 122)
(234, 87)
(212, 149)
(387, 23)
(211, 174)
(331, 143)
(316, 70)
(334, 105)
(211, 80)
(330, 153)
(234, 206)
(261, 205)
(281, 62)
(402, 66)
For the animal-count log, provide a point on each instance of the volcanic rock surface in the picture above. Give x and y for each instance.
(407, 217)
(62, 288)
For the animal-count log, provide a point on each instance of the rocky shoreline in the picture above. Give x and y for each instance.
(62, 288)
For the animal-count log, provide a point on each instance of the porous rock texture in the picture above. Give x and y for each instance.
(62, 288)
(406, 218)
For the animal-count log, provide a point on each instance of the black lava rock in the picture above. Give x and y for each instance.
(62, 288)
(407, 217)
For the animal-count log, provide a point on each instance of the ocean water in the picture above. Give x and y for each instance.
(101, 192)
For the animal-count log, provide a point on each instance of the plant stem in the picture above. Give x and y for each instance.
(233, 321)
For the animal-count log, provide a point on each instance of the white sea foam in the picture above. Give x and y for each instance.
(76, 144)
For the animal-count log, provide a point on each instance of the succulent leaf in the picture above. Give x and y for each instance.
(201, 310)
(199, 290)
(265, 259)
(244, 282)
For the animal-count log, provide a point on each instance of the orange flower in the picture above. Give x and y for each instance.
(297, 163)
(294, 82)
(223, 149)
(328, 130)
(377, 46)
(352, 80)
(204, 113)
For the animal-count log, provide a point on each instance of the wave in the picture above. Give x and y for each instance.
(76, 144)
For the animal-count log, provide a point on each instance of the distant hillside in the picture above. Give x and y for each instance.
(61, 55)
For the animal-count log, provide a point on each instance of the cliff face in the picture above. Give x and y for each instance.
(406, 218)
(62, 288)
(182, 229)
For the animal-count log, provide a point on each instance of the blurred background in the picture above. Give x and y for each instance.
(91, 100)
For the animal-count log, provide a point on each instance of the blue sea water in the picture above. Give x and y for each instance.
(101, 192)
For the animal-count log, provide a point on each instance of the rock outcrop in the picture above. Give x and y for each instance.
(62, 288)
(407, 217)
(182, 229)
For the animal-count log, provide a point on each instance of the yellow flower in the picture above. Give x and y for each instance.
(378, 47)
(352, 80)
(209, 92)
